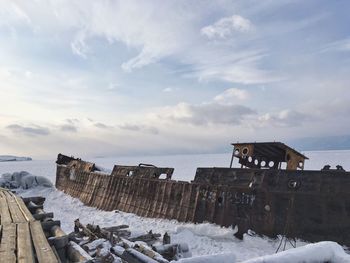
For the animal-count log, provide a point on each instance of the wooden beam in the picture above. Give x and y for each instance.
(16, 214)
(24, 244)
(4, 210)
(26, 213)
(8, 243)
(43, 250)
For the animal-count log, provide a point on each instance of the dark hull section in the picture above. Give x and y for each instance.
(311, 205)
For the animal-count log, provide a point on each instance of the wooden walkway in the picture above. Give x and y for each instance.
(22, 238)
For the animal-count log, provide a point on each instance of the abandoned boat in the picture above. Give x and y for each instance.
(270, 193)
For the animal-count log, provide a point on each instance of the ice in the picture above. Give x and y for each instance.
(24, 180)
(326, 251)
(222, 258)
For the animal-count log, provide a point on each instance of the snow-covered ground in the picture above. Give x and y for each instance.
(202, 238)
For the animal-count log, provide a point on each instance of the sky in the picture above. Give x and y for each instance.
(101, 78)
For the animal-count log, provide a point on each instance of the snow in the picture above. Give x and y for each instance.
(11, 158)
(203, 239)
(24, 180)
(222, 258)
(325, 251)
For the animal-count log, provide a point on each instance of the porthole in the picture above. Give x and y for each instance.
(271, 163)
(237, 151)
(250, 159)
(256, 161)
(301, 164)
(245, 150)
(263, 163)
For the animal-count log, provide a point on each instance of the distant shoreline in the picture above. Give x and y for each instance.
(10, 158)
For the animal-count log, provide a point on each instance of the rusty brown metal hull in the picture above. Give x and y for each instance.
(311, 205)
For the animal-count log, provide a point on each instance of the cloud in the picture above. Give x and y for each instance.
(226, 27)
(207, 113)
(167, 90)
(34, 130)
(284, 118)
(79, 46)
(241, 67)
(169, 31)
(68, 128)
(337, 46)
(102, 125)
(153, 35)
(139, 128)
(11, 14)
(72, 121)
(231, 95)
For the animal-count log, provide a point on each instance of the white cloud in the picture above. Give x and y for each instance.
(284, 118)
(235, 68)
(151, 31)
(231, 95)
(206, 114)
(139, 128)
(340, 45)
(11, 14)
(227, 26)
(79, 46)
(168, 89)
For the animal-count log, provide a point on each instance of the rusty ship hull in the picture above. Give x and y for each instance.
(310, 205)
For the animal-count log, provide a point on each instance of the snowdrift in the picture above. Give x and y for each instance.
(24, 180)
(325, 251)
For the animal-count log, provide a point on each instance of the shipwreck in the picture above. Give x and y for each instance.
(270, 193)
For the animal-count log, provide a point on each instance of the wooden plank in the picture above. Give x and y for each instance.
(8, 243)
(42, 247)
(24, 244)
(26, 213)
(4, 210)
(16, 214)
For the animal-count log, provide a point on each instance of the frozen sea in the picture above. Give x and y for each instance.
(202, 238)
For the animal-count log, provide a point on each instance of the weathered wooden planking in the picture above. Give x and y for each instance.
(26, 213)
(43, 250)
(16, 213)
(8, 243)
(24, 244)
(5, 214)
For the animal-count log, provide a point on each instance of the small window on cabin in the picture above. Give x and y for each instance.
(250, 159)
(130, 173)
(237, 151)
(256, 162)
(163, 176)
(271, 164)
(245, 150)
(301, 164)
(263, 163)
(283, 165)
